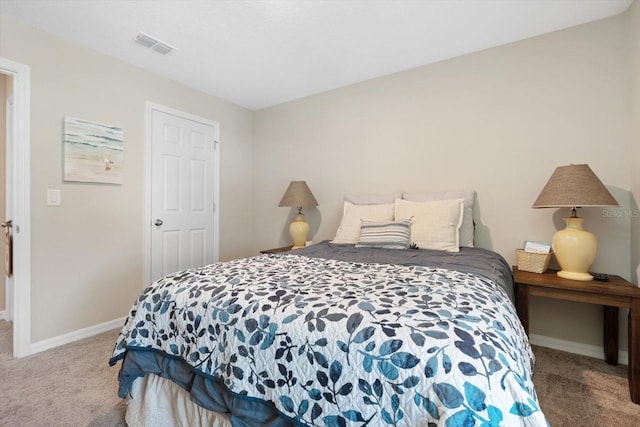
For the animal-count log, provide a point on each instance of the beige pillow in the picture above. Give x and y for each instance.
(434, 224)
(467, 227)
(352, 217)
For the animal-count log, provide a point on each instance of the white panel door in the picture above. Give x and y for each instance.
(183, 187)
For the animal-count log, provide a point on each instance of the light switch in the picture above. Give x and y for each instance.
(53, 198)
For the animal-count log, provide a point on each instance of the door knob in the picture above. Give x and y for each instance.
(6, 224)
(158, 222)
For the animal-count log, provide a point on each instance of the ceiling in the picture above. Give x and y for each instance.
(261, 53)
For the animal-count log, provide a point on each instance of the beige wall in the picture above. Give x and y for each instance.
(87, 255)
(634, 37)
(498, 121)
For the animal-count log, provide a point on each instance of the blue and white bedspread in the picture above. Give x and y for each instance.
(335, 343)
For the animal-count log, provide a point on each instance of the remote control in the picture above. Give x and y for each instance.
(602, 277)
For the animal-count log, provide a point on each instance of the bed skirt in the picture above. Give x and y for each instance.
(160, 402)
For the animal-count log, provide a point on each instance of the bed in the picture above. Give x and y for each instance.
(335, 334)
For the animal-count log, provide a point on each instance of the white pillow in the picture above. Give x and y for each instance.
(434, 224)
(467, 228)
(372, 199)
(352, 217)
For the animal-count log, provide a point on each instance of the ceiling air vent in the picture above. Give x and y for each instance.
(153, 43)
(162, 48)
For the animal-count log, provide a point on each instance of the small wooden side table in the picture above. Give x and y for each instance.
(276, 250)
(612, 295)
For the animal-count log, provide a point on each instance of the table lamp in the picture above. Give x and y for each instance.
(298, 195)
(574, 186)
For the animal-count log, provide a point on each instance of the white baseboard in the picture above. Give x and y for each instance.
(576, 348)
(3, 315)
(49, 343)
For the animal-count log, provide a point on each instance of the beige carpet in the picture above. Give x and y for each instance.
(71, 385)
(583, 391)
(74, 386)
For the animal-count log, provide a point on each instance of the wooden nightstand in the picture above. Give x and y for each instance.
(612, 295)
(276, 250)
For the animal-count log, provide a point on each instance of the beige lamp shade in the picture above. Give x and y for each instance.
(298, 195)
(574, 186)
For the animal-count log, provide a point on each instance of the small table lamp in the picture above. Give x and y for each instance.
(298, 195)
(570, 187)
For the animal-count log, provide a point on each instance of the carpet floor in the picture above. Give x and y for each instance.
(73, 385)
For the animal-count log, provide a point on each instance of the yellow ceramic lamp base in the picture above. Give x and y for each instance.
(299, 230)
(575, 249)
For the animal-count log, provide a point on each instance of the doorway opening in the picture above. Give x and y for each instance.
(15, 328)
(6, 327)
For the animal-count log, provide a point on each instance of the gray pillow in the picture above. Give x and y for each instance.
(387, 235)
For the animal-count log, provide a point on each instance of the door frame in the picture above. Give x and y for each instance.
(19, 202)
(150, 107)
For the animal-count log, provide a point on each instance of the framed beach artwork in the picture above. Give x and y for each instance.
(93, 152)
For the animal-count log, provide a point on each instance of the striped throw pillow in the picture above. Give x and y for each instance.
(389, 235)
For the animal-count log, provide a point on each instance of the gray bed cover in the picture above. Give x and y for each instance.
(479, 261)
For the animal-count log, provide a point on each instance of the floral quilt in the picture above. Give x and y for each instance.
(335, 343)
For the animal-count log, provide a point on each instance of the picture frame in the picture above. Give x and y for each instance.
(93, 152)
